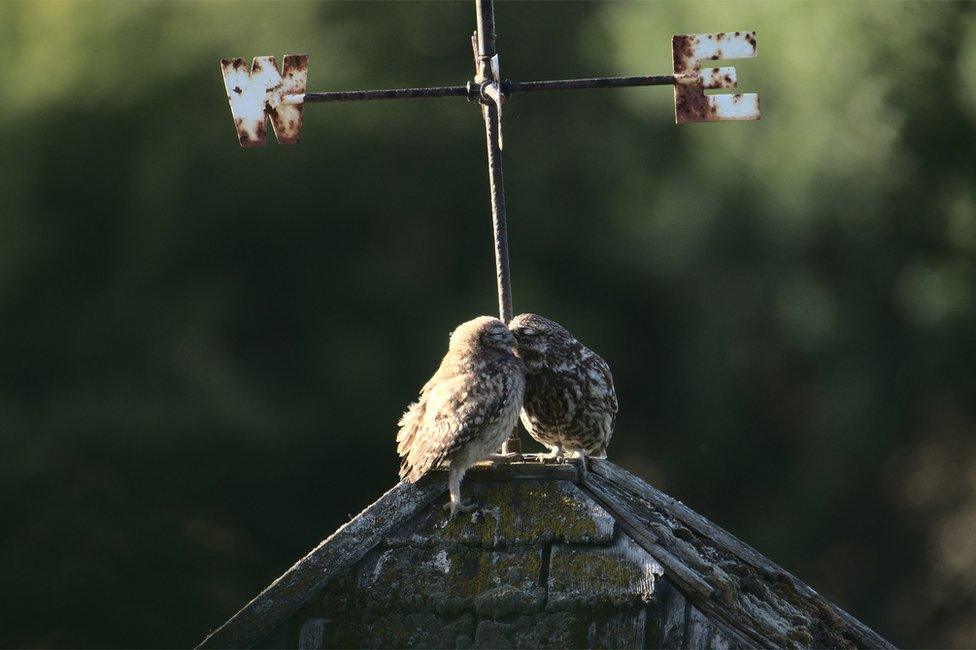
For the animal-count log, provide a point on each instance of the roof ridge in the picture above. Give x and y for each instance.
(721, 589)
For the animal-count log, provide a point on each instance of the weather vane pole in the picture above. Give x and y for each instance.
(486, 76)
(264, 91)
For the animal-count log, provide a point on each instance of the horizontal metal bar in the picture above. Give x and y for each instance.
(393, 93)
(593, 82)
(508, 87)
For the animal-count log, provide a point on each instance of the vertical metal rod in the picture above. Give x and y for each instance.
(484, 51)
(498, 216)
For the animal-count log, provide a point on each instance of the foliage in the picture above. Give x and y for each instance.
(206, 348)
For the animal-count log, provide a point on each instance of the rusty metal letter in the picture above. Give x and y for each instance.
(264, 91)
(691, 104)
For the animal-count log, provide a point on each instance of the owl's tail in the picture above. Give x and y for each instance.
(407, 441)
(598, 452)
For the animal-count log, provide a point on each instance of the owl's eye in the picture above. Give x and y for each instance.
(528, 331)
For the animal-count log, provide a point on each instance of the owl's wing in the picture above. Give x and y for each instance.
(451, 413)
(599, 378)
(412, 420)
(611, 396)
(603, 396)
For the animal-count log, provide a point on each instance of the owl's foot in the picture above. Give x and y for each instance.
(555, 455)
(457, 506)
(583, 468)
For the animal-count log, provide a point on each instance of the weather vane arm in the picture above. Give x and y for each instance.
(262, 91)
(392, 93)
(508, 87)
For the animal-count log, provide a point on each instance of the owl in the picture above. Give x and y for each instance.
(570, 403)
(467, 409)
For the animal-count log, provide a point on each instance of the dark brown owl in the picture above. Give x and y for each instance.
(570, 404)
(468, 407)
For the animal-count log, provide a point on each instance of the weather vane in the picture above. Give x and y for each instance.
(264, 91)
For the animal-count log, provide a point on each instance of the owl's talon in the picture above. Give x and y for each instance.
(554, 456)
(456, 507)
(583, 469)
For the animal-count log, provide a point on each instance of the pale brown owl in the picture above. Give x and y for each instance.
(570, 404)
(467, 409)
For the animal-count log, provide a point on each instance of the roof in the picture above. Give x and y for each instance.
(553, 552)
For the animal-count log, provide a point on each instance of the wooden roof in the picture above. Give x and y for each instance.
(580, 519)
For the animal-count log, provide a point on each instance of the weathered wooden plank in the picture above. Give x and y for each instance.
(748, 599)
(346, 546)
(624, 479)
(674, 568)
(701, 632)
(672, 616)
(736, 638)
(694, 586)
(725, 540)
(311, 633)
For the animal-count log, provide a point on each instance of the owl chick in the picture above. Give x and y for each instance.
(467, 409)
(570, 404)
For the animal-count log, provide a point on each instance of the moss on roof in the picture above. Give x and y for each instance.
(554, 557)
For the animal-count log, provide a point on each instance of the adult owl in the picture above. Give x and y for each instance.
(467, 409)
(570, 404)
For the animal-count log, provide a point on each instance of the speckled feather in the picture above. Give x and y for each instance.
(570, 399)
(468, 407)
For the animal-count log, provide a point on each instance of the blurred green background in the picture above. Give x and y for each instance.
(205, 349)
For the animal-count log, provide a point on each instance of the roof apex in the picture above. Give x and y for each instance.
(723, 577)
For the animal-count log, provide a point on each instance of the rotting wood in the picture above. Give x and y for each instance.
(752, 633)
(703, 632)
(624, 479)
(695, 588)
(738, 639)
(699, 558)
(341, 550)
(725, 540)
(672, 617)
(679, 572)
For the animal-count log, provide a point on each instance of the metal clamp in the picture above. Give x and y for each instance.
(491, 91)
